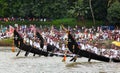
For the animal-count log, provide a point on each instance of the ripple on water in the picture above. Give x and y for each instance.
(12, 64)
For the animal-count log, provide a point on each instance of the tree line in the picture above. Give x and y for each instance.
(108, 10)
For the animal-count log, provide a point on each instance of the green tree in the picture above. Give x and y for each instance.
(114, 12)
(91, 9)
(4, 8)
(99, 8)
(26, 8)
(79, 11)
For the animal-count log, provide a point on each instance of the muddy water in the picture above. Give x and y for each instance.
(9, 63)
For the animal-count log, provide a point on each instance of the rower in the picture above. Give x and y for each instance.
(74, 55)
(65, 53)
(34, 44)
(16, 38)
(31, 44)
(74, 58)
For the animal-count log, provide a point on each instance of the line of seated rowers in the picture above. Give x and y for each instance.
(35, 42)
(100, 50)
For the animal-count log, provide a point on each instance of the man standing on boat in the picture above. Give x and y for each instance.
(74, 55)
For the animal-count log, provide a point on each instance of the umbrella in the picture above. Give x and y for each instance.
(116, 43)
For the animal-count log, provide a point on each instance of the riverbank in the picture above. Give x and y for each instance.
(7, 48)
(6, 42)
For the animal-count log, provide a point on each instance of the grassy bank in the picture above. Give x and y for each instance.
(57, 22)
(6, 42)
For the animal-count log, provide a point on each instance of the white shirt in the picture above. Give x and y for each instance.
(34, 44)
(31, 42)
(38, 45)
(45, 47)
(88, 47)
(63, 46)
(95, 49)
(82, 46)
(27, 40)
(57, 45)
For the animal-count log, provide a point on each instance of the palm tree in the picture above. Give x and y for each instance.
(92, 11)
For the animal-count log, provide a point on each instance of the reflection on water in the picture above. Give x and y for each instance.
(9, 63)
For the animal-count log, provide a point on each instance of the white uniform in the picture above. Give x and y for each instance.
(45, 47)
(95, 50)
(83, 47)
(31, 42)
(34, 44)
(88, 47)
(63, 46)
(115, 53)
(57, 45)
(27, 41)
(38, 45)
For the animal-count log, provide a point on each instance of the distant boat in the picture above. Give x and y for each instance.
(87, 54)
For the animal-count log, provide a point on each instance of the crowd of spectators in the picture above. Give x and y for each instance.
(89, 39)
(6, 19)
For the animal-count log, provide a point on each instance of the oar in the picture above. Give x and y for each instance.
(18, 52)
(27, 52)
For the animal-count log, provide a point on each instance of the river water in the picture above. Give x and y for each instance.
(9, 63)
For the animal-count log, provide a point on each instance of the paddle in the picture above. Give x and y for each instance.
(16, 41)
(18, 53)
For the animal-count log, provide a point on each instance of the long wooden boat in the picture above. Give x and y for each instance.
(18, 41)
(87, 54)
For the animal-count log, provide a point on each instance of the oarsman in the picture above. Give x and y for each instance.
(38, 45)
(51, 42)
(34, 45)
(95, 49)
(115, 52)
(63, 47)
(118, 54)
(103, 50)
(74, 58)
(65, 53)
(57, 45)
(106, 53)
(74, 55)
(27, 41)
(88, 47)
(45, 46)
(82, 46)
(29, 44)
